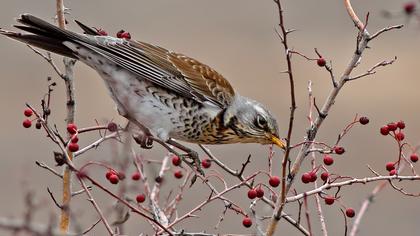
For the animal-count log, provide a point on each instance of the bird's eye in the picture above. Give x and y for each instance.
(260, 122)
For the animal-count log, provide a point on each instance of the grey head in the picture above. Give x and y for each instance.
(252, 122)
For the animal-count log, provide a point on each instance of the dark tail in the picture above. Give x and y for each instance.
(47, 36)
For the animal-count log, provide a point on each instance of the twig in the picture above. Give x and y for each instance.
(53, 198)
(350, 182)
(95, 205)
(43, 165)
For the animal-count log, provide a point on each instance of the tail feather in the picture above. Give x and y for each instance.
(45, 35)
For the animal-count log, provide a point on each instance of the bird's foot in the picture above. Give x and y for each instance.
(191, 159)
(145, 141)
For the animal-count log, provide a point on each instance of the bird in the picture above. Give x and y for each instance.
(169, 95)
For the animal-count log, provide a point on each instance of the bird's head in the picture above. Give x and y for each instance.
(252, 122)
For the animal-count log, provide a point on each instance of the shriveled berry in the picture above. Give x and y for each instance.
(247, 222)
(392, 126)
(313, 176)
(28, 112)
(329, 200)
(121, 175)
(321, 62)
(306, 178)
(260, 192)
(112, 127)
(136, 176)
(390, 166)
(324, 176)
(328, 160)
(252, 193)
(350, 213)
(384, 130)
(339, 150)
(399, 136)
(176, 160)
(364, 120)
(409, 7)
(81, 174)
(73, 147)
(113, 178)
(393, 172)
(102, 32)
(414, 157)
(38, 124)
(206, 163)
(401, 124)
(178, 174)
(159, 179)
(140, 198)
(74, 139)
(274, 181)
(71, 128)
(27, 123)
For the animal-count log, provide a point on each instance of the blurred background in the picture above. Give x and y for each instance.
(237, 38)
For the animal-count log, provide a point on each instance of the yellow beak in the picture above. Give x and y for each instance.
(278, 142)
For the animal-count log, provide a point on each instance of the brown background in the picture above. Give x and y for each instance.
(237, 38)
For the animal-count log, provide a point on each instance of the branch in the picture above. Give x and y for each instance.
(350, 182)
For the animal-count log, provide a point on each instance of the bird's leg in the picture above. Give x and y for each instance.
(191, 154)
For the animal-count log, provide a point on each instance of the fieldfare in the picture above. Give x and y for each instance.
(169, 95)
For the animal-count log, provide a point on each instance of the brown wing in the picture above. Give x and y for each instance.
(203, 80)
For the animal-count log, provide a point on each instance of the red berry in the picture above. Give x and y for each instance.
(324, 176)
(414, 157)
(274, 181)
(393, 172)
(328, 160)
(260, 192)
(384, 130)
(74, 139)
(401, 124)
(313, 176)
(363, 120)
(112, 127)
(247, 222)
(392, 126)
(321, 62)
(27, 123)
(113, 178)
(140, 198)
(329, 200)
(339, 150)
(109, 173)
(136, 176)
(176, 161)
(206, 163)
(252, 193)
(409, 7)
(350, 212)
(178, 174)
(71, 128)
(73, 147)
(399, 136)
(390, 166)
(123, 34)
(28, 112)
(306, 178)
